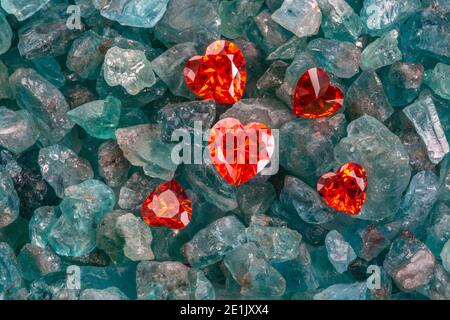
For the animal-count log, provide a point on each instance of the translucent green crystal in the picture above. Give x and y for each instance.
(41, 223)
(9, 201)
(36, 262)
(11, 279)
(382, 52)
(385, 160)
(340, 253)
(6, 34)
(18, 131)
(302, 18)
(439, 80)
(111, 293)
(424, 116)
(210, 244)
(99, 118)
(352, 291)
(129, 69)
(235, 14)
(340, 58)
(61, 168)
(23, 9)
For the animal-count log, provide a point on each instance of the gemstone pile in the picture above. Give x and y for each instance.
(114, 169)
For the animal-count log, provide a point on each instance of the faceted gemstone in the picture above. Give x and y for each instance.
(301, 17)
(41, 223)
(352, 291)
(340, 253)
(346, 189)
(108, 294)
(6, 33)
(128, 68)
(168, 205)
(220, 74)
(382, 52)
(18, 131)
(9, 201)
(339, 57)
(439, 80)
(37, 262)
(403, 82)
(235, 15)
(112, 165)
(424, 116)
(23, 9)
(240, 152)
(315, 97)
(134, 13)
(99, 118)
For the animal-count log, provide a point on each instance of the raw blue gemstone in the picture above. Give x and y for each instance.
(50, 69)
(61, 168)
(44, 102)
(18, 131)
(235, 16)
(210, 244)
(11, 275)
(23, 9)
(445, 256)
(403, 82)
(381, 153)
(340, 253)
(6, 33)
(382, 52)
(288, 50)
(99, 118)
(110, 293)
(5, 88)
(344, 291)
(338, 57)
(424, 116)
(301, 17)
(439, 80)
(112, 165)
(41, 223)
(37, 262)
(9, 201)
(255, 276)
(134, 13)
(299, 198)
(438, 231)
(439, 287)
(323, 271)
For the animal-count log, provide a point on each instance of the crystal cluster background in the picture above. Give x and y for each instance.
(91, 91)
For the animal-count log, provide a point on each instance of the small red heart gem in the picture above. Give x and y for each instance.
(220, 74)
(240, 152)
(346, 189)
(315, 97)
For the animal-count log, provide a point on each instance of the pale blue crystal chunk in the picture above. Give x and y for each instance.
(5, 87)
(41, 223)
(438, 232)
(382, 52)
(23, 9)
(439, 80)
(108, 294)
(6, 33)
(9, 201)
(352, 291)
(18, 131)
(340, 253)
(11, 275)
(37, 262)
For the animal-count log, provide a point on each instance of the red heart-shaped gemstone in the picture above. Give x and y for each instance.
(220, 74)
(346, 189)
(240, 152)
(315, 97)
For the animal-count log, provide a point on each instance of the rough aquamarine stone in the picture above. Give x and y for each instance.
(340, 253)
(129, 69)
(171, 280)
(235, 15)
(18, 131)
(41, 223)
(134, 191)
(143, 147)
(288, 50)
(253, 273)
(23, 9)
(302, 18)
(5, 87)
(6, 33)
(299, 198)
(445, 256)
(109, 240)
(382, 52)
(111, 293)
(338, 57)
(382, 15)
(270, 112)
(189, 20)
(11, 275)
(339, 20)
(52, 287)
(277, 244)
(255, 199)
(137, 237)
(424, 116)
(444, 190)
(49, 109)
(366, 96)
(15, 234)
(381, 153)
(112, 165)
(134, 13)
(210, 244)
(403, 82)
(37, 262)
(50, 69)
(439, 80)
(344, 291)
(323, 272)
(185, 116)
(438, 231)
(439, 287)
(9, 201)
(303, 140)
(410, 263)
(99, 118)
(61, 168)
(211, 185)
(169, 66)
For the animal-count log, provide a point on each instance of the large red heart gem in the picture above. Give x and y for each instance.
(240, 152)
(346, 189)
(315, 97)
(220, 74)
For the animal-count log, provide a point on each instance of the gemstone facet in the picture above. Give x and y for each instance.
(315, 97)
(168, 205)
(220, 74)
(346, 189)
